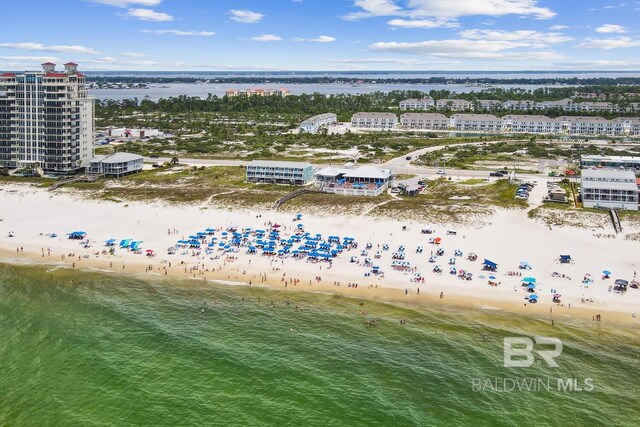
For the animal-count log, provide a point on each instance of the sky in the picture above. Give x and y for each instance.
(322, 35)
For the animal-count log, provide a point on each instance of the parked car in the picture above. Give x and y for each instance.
(441, 172)
(498, 174)
(408, 158)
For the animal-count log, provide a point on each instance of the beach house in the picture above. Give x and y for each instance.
(279, 172)
(607, 188)
(315, 123)
(116, 165)
(417, 104)
(348, 181)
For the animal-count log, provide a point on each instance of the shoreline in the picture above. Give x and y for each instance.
(427, 299)
(508, 238)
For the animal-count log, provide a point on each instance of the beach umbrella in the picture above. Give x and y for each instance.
(533, 297)
(531, 286)
(606, 272)
(492, 277)
(529, 280)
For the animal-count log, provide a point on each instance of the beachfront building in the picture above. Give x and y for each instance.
(417, 104)
(424, 121)
(46, 120)
(514, 123)
(563, 104)
(315, 123)
(282, 92)
(362, 181)
(277, 172)
(374, 120)
(610, 162)
(475, 122)
(116, 165)
(612, 189)
(592, 107)
(453, 104)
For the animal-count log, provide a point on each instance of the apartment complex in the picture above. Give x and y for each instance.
(453, 104)
(46, 120)
(514, 123)
(475, 122)
(315, 123)
(424, 121)
(417, 104)
(231, 93)
(276, 172)
(605, 188)
(566, 104)
(374, 120)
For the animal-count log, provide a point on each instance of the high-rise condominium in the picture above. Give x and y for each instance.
(46, 120)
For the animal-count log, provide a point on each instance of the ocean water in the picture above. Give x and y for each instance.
(98, 349)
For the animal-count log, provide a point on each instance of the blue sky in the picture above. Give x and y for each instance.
(323, 34)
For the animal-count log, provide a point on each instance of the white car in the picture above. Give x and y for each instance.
(441, 172)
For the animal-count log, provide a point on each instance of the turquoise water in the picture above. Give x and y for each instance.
(95, 349)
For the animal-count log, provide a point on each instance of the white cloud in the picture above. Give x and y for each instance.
(612, 43)
(133, 54)
(180, 32)
(558, 27)
(423, 23)
(54, 48)
(127, 3)
(463, 48)
(149, 15)
(320, 39)
(266, 38)
(29, 58)
(449, 9)
(533, 38)
(246, 16)
(374, 8)
(611, 28)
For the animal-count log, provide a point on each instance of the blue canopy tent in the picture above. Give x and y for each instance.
(77, 235)
(529, 280)
(135, 245)
(565, 259)
(110, 242)
(125, 243)
(489, 265)
(533, 298)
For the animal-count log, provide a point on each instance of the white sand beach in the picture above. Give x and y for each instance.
(32, 214)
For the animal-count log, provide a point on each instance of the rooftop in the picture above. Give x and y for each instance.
(117, 158)
(370, 172)
(279, 164)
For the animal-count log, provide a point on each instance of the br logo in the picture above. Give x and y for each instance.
(519, 352)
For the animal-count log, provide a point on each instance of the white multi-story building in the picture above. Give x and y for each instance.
(530, 124)
(46, 120)
(417, 104)
(453, 104)
(585, 125)
(562, 104)
(313, 124)
(475, 122)
(489, 104)
(424, 121)
(518, 105)
(374, 120)
(592, 107)
(606, 188)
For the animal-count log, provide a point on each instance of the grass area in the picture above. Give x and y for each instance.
(37, 181)
(447, 201)
(566, 215)
(473, 181)
(225, 186)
